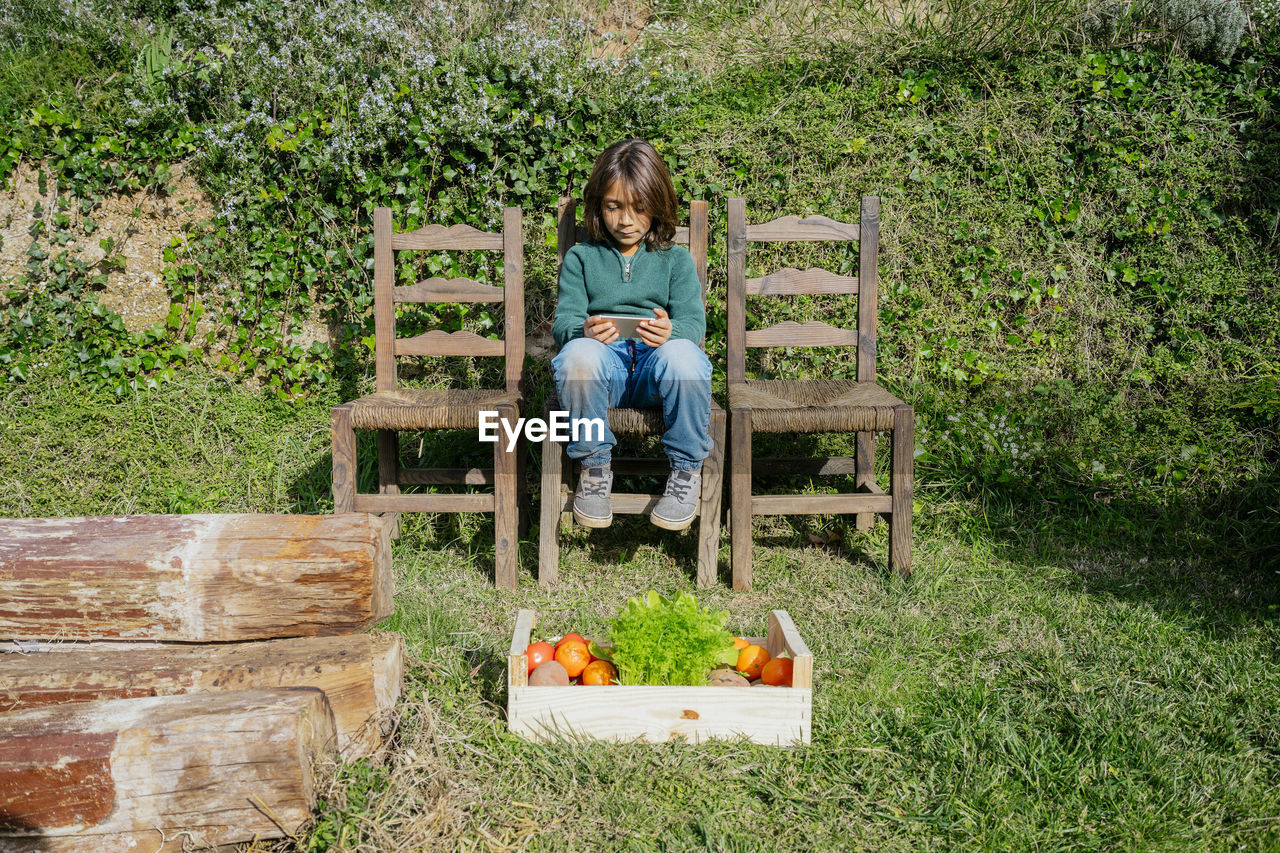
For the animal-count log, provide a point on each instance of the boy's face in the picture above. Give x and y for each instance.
(624, 216)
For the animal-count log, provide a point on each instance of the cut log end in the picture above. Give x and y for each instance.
(120, 769)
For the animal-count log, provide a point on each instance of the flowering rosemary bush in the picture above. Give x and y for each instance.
(303, 117)
(1207, 29)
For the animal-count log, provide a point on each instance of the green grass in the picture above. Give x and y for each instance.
(1031, 687)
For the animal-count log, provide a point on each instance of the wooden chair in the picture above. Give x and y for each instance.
(392, 409)
(816, 405)
(557, 490)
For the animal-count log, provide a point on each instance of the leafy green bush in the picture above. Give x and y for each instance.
(303, 123)
(1072, 267)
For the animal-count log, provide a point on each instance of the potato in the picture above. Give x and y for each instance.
(727, 678)
(548, 674)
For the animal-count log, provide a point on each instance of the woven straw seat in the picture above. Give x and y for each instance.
(433, 408)
(632, 421)
(625, 421)
(815, 405)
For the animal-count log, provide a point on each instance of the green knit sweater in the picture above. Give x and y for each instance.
(593, 280)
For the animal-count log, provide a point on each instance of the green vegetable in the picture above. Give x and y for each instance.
(661, 641)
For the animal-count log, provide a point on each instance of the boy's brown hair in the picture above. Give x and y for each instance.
(640, 168)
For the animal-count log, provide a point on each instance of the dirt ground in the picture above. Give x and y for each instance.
(144, 224)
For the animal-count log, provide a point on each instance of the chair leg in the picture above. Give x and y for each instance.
(903, 465)
(740, 497)
(344, 460)
(568, 483)
(864, 466)
(709, 511)
(522, 490)
(506, 509)
(549, 513)
(389, 472)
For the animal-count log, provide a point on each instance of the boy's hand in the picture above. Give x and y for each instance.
(656, 332)
(600, 329)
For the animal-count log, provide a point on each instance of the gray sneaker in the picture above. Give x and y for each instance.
(591, 506)
(679, 502)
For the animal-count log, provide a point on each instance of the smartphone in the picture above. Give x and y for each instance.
(627, 326)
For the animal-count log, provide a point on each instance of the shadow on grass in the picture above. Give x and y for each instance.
(1212, 569)
(1210, 559)
(312, 489)
(488, 672)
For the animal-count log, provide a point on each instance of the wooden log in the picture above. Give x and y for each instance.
(193, 578)
(361, 675)
(126, 774)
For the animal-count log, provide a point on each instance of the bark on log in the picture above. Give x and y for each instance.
(131, 774)
(193, 578)
(360, 674)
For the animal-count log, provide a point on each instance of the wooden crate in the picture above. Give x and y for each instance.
(769, 715)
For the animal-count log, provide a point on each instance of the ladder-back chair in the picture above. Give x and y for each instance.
(392, 409)
(557, 491)
(856, 405)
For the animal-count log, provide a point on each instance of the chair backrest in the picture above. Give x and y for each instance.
(436, 342)
(790, 282)
(569, 232)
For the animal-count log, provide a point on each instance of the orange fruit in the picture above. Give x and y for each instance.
(539, 653)
(751, 660)
(570, 637)
(600, 672)
(777, 672)
(573, 656)
(739, 644)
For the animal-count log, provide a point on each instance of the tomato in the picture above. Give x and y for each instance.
(777, 672)
(539, 653)
(571, 636)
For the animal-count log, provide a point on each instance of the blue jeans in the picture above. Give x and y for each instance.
(592, 378)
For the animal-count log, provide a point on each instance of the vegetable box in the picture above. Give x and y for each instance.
(770, 715)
